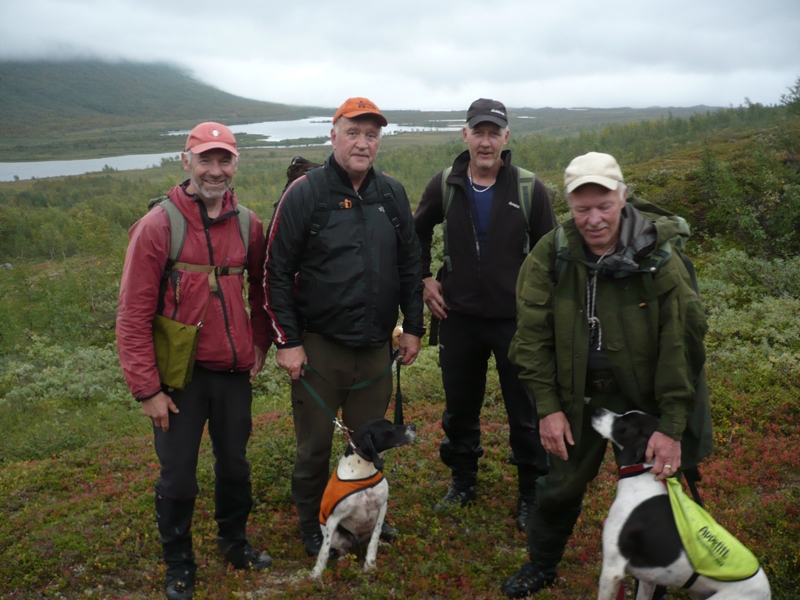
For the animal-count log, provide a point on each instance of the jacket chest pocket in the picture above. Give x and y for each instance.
(631, 323)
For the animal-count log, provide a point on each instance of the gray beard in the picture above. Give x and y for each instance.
(205, 193)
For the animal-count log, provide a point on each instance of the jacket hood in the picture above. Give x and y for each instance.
(644, 228)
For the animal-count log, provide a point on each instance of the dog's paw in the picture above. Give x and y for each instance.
(316, 573)
(369, 566)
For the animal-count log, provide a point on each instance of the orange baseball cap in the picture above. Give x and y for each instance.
(210, 135)
(355, 107)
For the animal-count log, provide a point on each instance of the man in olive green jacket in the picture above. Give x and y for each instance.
(607, 316)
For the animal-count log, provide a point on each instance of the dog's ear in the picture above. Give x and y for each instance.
(368, 452)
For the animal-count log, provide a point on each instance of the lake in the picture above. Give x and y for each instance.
(273, 131)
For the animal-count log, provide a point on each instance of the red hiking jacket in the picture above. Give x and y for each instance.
(228, 334)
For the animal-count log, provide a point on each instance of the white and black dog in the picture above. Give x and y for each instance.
(355, 500)
(640, 534)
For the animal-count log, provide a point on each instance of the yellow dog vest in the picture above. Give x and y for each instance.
(712, 551)
(338, 490)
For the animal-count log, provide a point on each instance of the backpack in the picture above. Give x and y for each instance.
(652, 263)
(177, 225)
(177, 237)
(315, 173)
(525, 181)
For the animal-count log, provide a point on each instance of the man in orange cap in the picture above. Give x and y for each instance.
(185, 262)
(341, 257)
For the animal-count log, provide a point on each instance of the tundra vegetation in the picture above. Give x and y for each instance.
(77, 466)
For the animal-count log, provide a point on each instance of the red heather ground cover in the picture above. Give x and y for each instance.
(82, 526)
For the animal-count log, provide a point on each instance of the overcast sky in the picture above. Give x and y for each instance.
(437, 54)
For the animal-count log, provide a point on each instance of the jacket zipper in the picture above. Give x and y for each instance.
(219, 293)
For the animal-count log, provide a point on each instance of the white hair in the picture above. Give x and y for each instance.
(359, 117)
(621, 189)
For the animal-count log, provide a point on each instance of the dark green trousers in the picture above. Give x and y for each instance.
(559, 496)
(343, 367)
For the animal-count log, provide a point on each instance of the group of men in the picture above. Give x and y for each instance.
(576, 317)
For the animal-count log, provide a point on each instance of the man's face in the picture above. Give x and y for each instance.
(485, 141)
(210, 173)
(355, 144)
(597, 212)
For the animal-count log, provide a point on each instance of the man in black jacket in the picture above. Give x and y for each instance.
(488, 237)
(341, 257)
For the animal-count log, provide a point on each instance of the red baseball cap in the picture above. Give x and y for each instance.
(355, 107)
(210, 135)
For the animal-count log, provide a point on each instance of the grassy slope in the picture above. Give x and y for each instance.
(80, 524)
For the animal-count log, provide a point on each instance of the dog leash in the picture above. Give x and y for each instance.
(336, 421)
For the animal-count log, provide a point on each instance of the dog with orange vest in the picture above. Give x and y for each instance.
(354, 503)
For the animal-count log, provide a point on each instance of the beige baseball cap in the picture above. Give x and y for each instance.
(594, 167)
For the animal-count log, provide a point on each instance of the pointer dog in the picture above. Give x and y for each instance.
(640, 534)
(354, 503)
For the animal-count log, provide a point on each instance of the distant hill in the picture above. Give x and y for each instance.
(40, 97)
(52, 110)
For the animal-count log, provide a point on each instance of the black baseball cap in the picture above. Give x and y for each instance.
(483, 110)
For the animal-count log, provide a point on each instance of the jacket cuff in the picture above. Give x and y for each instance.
(672, 421)
(546, 404)
(412, 329)
(143, 398)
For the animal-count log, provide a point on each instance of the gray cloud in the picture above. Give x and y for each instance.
(422, 54)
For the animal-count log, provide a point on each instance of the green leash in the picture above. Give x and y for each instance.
(398, 408)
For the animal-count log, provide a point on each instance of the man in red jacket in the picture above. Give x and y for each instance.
(230, 350)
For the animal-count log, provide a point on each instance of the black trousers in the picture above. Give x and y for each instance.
(223, 400)
(466, 344)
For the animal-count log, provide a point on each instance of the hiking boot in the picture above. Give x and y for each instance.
(313, 544)
(388, 533)
(528, 580)
(525, 508)
(179, 584)
(244, 556)
(457, 497)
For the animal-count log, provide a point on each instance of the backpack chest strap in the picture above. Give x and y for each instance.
(213, 272)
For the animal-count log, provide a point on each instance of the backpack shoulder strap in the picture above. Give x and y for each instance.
(448, 191)
(525, 181)
(321, 214)
(177, 226)
(562, 250)
(389, 204)
(244, 216)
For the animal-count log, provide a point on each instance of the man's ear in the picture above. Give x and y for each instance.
(186, 166)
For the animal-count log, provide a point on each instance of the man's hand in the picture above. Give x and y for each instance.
(158, 408)
(667, 454)
(555, 431)
(261, 356)
(292, 360)
(433, 298)
(409, 348)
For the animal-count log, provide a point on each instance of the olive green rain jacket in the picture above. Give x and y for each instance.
(651, 319)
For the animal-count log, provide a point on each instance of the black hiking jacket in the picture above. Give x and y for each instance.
(485, 285)
(347, 282)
